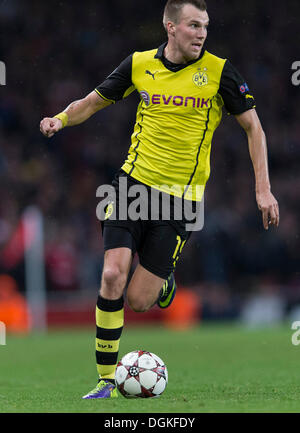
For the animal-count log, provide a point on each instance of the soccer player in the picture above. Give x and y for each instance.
(183, 89)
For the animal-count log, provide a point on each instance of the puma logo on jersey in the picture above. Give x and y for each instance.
(150, 73)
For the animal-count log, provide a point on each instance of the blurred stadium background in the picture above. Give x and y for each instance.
(56, 52)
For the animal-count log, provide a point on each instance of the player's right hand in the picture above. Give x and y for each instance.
(50, 125)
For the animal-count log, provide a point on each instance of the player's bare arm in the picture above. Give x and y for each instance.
(258, 152)
(77, 112)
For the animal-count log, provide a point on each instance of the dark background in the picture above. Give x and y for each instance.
(58, 51)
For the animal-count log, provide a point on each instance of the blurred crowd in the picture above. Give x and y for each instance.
(56, 52)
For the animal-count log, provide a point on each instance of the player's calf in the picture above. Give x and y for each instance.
(143, 289)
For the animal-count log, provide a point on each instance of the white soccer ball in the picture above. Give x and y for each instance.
(141, 374)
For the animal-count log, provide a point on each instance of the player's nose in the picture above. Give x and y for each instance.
(201, 34)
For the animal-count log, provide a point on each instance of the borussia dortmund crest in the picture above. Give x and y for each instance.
(201, 77)
(109, 210)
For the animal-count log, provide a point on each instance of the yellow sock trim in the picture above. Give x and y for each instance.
(106, 371)
(109, 320)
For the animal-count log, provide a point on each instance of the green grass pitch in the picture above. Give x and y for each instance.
(216, 368)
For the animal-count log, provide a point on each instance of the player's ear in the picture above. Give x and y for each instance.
(171, 28)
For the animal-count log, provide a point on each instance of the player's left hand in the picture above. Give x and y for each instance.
(268, 205)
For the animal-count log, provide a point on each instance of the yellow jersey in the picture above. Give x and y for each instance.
(179, 111)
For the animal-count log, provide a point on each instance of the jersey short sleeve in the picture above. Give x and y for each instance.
(118, 85)
(235, 91)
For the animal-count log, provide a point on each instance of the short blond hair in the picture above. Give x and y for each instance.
(173, 8)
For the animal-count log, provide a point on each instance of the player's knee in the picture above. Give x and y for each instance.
(113, 281)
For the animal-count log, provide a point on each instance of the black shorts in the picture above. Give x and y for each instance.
(158, 243)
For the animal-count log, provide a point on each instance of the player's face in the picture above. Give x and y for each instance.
(190, 32)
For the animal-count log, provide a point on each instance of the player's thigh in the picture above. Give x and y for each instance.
(119, 249)
(117, 261)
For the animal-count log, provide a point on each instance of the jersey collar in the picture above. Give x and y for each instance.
(174, 67)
